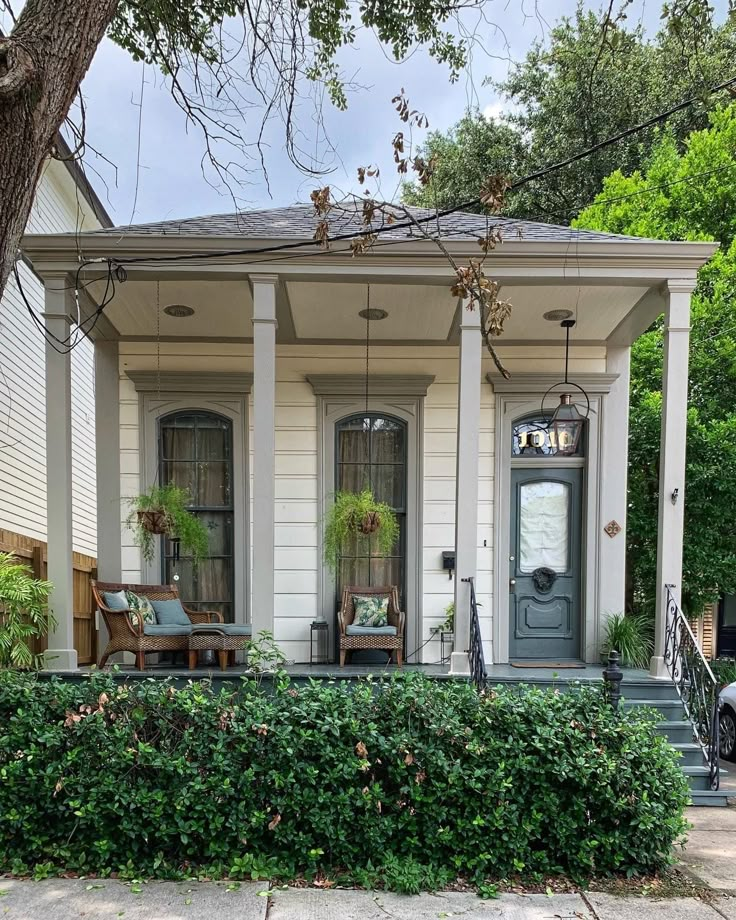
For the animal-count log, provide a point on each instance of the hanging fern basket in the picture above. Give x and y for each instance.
(370, 523)
(155, 522)
(358, 514)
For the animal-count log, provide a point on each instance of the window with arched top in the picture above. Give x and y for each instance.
(371, 453)
(196, 454)
(532, 437)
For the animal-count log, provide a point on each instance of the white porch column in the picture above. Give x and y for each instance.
(670, 521)
(107, 456)
(466, 485)
(613, 497)
(264, 449)
(61, 652)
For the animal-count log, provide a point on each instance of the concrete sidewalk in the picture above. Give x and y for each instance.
(710, 856)
(74, 899)
(710, 852)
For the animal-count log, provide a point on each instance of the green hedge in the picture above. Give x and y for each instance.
(146, 779)
(724, 670)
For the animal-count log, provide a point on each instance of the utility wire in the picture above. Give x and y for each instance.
(403, 225)
(387, 227)
(471, 232)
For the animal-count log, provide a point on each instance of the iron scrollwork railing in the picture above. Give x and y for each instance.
(695, 682)
(478, 673)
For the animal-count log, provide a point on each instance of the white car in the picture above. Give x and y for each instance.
(727, 739)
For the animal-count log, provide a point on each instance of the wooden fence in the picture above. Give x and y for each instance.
(33, 552)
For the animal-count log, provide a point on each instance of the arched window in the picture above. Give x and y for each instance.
(196, 454)
(371, 453)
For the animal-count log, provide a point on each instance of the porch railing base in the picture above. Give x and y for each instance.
(460, 664)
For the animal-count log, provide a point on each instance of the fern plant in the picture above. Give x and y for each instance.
(167, 503)
(24, 613)
(358, 516)
(632, 636)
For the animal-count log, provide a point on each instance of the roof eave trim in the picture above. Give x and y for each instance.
(62, 247)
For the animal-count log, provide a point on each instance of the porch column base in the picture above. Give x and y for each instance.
(460, 664)
(658, 668)
(60, 659)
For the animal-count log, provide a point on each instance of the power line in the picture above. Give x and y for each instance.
(408, 224)
(117, 270)
(115, 266)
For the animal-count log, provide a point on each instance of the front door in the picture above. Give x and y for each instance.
(545, 563)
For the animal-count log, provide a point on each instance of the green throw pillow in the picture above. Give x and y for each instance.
(370, 611)
(140, 609)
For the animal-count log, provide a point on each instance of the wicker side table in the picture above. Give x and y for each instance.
(224, 645)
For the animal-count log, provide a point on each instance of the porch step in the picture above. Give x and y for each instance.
(677, 732)
(691, 755)
(698, 777)
(647, 689)
(670, 710)
(710, 799)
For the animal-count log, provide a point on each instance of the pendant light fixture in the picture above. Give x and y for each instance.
(567, 423)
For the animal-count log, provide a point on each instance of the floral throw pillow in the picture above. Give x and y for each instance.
(141, 609)
(370, 611)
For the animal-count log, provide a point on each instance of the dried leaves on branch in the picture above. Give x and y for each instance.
(470, 284)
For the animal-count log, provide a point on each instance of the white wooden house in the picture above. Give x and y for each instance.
(64, 203)
(254, 394)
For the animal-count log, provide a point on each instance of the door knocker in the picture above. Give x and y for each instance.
(543, 579)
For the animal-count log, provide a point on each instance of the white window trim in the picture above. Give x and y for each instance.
(232, 403)
(339, 396)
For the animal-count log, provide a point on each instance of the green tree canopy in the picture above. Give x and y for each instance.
(685, 196)
(570, 93)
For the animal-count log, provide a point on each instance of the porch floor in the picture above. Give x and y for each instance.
(301, 673)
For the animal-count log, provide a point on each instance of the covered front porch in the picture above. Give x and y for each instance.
(279, 350)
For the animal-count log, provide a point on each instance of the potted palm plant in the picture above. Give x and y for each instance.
(358, 514)
(163, 510)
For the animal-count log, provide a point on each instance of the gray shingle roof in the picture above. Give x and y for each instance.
(297, 222)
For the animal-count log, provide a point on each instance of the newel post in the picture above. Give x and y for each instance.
(612, 677)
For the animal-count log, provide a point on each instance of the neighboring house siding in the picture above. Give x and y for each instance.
(22, 388)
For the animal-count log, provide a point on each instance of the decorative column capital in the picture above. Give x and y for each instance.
(680, 285)
(264, 279)
(469, 316)
(59, 297)
(264, 298)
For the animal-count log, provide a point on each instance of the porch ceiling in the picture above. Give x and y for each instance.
(598, 309)
(221, 308)
(332, 311)
(328, 311)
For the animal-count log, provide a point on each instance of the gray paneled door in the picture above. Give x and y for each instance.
(545, 563)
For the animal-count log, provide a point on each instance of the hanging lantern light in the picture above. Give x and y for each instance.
(567, 423)
(566, 426)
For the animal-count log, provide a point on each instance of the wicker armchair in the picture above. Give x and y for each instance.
(125, 637)
(394, 645)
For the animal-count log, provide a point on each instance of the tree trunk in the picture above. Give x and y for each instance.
(42, 63)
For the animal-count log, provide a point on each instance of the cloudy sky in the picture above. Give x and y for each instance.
(167, 172)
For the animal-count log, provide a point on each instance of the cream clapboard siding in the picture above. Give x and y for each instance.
(22, 386)
(297, 553)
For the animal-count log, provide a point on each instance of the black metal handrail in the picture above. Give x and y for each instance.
(695, 683)
(476, 658)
